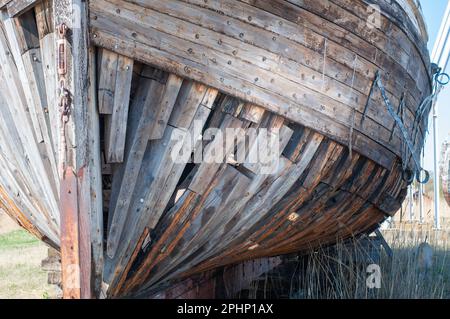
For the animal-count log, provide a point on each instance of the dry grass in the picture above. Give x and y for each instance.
(335, 274)
(21, 254)
(340, 272)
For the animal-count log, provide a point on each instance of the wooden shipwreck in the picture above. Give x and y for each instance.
(92, 93)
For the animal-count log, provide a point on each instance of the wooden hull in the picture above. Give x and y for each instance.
(141, 71)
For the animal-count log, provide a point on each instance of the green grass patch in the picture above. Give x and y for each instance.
(17, 239)
(23, 281)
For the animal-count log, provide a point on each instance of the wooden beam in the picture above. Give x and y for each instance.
(91, 180)
(162, 115)
(70, 237)
(17, 7)
(75, 156)
(116, 128)
(107, 81)
(124, 181)
(287, 95)
(252, 113)
(3, 3)
(15, 80)
(45, 28)
(23, 38)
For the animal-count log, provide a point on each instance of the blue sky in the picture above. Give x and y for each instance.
(433, 11)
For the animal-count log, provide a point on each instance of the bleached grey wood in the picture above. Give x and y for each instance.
(147, 99)
(107, 81)
(162, 114)
(116, 131)
(17, 7)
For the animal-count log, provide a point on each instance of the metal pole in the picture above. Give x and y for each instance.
(411, 203)
(440, 56)
(421, 195)
(437, 223)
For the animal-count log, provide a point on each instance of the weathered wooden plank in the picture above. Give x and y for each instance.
(218, 207)
(252, 113)
(26, 32)
(284, 21)
(107, 81)
(70, 237)
(17, 7)
(4, 3)
(166, 165)
(159, 203)
(276, 190)
(231, 105)
(190, 96)
(116, 130)
(75, 156)
(45, 28)
(212, 162)
(174, 220)
(15, 50)
(18, 176)
(218, 77)
(44, 17)
(93, 179)
(266, 149)
(21, 152)
(355, 76)
(162, 115)
(210, 97)
(23, 38)
(271, 193)
(148, 99)
(12, 209)
(20, 116)
(152, 197)
(137, 250)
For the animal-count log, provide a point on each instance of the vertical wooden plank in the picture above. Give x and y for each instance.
(107, 81)
(125, 178)
(190, 97)
(23, 36)
(13, 72)
(75, 156)
(44, 21)
(165, 108)
(252, 113)
(17, 7)
(70, 249)
(44, 17)
(17, 47)
(93, 178)
(117, 127)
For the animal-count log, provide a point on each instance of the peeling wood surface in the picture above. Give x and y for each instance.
(318, 94)
(17, 7)
(134, 213)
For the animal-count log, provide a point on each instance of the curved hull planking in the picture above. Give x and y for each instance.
(327, 77)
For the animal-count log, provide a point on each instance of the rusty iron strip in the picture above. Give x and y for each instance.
(377, 83)
(70, 257)
(70, 223)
